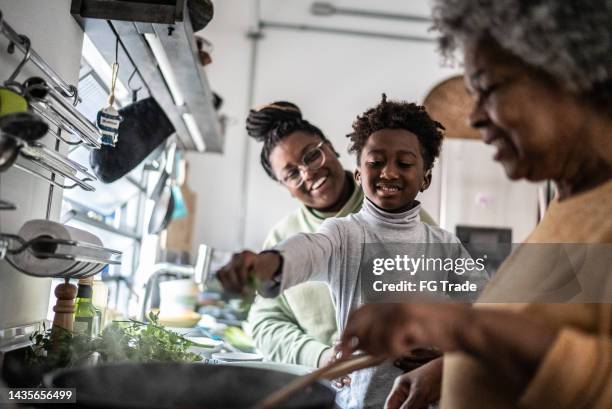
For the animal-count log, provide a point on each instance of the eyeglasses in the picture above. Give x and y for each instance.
(312, 159)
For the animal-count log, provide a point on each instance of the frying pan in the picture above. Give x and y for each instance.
(162, 195)
(181, 385)
(162, 211)
(159, 186)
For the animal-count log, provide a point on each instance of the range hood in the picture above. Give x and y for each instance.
(158, 38)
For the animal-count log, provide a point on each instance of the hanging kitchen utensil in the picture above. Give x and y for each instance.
(143, 128)
(108, 118)
(9, 149)
(168, 216)
(180, 210)
(165, 200)
(15, 117)
(166, 172)
(165, 385)
(200, 13)
(205, 49)
(217, 101)
(11, 102)
(35, 87)
(24, 125)
(133, 90)
(4, 205)
(159, 186)
(57, 163)
(162, 211)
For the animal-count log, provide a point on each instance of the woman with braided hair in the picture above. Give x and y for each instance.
(299, 326)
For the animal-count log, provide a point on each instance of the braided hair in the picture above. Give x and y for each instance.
(272, 123)
(398, 115)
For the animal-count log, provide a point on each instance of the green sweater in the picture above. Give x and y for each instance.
(300, 324)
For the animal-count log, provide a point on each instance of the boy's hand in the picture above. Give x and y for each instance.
(234, 276)
(418, 388)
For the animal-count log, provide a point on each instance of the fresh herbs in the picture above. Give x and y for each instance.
(121, 341)
(250, 292)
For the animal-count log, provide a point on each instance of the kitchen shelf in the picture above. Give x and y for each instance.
(191, 118)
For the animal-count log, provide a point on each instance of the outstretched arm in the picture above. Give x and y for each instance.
(300, 258)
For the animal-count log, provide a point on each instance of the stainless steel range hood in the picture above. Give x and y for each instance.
(165, 56)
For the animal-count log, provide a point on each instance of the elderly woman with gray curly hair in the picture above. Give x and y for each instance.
(540, 73)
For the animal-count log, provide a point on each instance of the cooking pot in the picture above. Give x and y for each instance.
(181, 385)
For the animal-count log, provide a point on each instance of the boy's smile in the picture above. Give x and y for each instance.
(391, 170)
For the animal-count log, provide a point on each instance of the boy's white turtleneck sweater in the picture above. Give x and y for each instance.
(334, 255)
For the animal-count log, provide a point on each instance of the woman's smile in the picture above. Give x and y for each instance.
(319, 184)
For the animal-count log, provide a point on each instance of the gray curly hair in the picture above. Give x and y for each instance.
(571, 40)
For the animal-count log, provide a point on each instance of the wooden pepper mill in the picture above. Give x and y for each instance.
(64, 308)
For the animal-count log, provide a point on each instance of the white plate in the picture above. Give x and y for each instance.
(205, 341)
(237, 356)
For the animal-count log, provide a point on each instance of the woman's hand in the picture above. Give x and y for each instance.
(511, 344)
(418, 388)
(328, 357)
(235, 275)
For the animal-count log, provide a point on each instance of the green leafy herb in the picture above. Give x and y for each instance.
(121, 341)
(248, 298)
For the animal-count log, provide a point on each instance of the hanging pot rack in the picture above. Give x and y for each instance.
(54, 100)
(23, 44)
(57, 163)
(56, 109)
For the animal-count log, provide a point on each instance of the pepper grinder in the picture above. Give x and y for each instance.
(64, 307)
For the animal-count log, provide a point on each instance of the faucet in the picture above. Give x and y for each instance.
(199, 272)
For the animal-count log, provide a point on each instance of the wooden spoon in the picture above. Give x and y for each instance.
(332, 371)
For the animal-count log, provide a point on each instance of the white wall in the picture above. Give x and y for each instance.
(57, 38)
(217, 179)
(478, 193)
(331, 77)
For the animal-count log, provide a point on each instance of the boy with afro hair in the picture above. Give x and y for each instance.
(396, 144)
